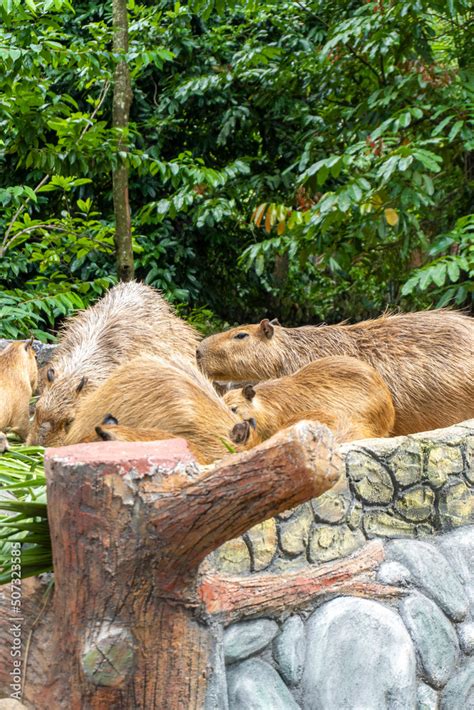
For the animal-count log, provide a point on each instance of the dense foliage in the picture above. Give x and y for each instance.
(309, 159)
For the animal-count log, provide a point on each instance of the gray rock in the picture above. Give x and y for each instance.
(434, 637)
(459, 692)
(432, 573)
(370, 478)
(427, 698)
(289, 650)
(216, 691)
(248, 637)
(255, 685)
(458, 546)
(393, 573)
(466, 636)
(359, 655)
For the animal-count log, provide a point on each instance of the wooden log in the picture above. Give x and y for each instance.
(129, 531)
(233, 598)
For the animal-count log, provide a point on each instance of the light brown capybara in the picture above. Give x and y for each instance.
(171, 397)
(129, 320)
(426, 359)
(341, 392)
(18, 379)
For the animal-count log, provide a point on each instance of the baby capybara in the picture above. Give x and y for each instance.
(426, 359)
(341, 392)
(18, 379)
(129, 320)
(171, 397)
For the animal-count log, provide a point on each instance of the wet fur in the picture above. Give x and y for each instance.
(18, 380)
(129, 320)
(344, 393)
(426, 359)
(154, 393)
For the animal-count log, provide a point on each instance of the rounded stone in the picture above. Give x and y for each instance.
(432, 573)
(434, 637)
(458, 546)
(329, 542)
(443, 461)
(458, 694)
(371, 480)
(333, 506)
(393, 573)
(232, 557)
(466, 636)
(358, 655)
(416, 504)
(289, 650)
(255, 685)
(427, 698)
(11, 704)
(294, 533)
(407, 463)
(248, 637)
(262, 539)
(456, 505)
(378, 523)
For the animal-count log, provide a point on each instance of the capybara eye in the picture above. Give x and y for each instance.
(233, 409)
(241, 336)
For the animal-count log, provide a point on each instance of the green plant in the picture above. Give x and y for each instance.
(23, 513)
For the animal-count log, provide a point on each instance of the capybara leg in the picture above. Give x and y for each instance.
(22, 424)
(3, 443)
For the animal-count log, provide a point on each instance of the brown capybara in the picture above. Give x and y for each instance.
(129, 320)
(426, 359)
(18, 379)
(173, 397)
(111, 430)
(337, 391)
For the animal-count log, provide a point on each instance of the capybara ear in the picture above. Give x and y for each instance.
(104, 435)
(51, 374)
(252, 422)
(275, 321)
(81, 385)
(248, 392)
(29, 343)
(240, 432)
(110, 419)
(266, 328)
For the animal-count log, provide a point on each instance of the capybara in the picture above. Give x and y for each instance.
(341, 392)
(111, 430)
(18, 379)
(426, 359)
(129, 320)
(169, 396)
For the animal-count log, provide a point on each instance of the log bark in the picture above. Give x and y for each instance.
(234, 598)
(129, 532)
(122, 101)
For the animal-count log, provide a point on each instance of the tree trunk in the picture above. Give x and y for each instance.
(130, 525)
(120, 119)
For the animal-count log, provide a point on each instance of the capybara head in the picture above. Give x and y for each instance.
(244, 432)
(55, 409)
(248, 352)
(242, 402)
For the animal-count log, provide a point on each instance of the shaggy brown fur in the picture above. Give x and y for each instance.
(172, 397)
(130, 320)
(18, 379)
(341, 392)
(426, 359)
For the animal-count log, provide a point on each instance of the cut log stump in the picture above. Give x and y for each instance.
(132, 621)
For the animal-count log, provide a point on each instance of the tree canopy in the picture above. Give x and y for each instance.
(307, 159)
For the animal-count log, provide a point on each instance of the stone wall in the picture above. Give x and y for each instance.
(407, 486)
(346, 653)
